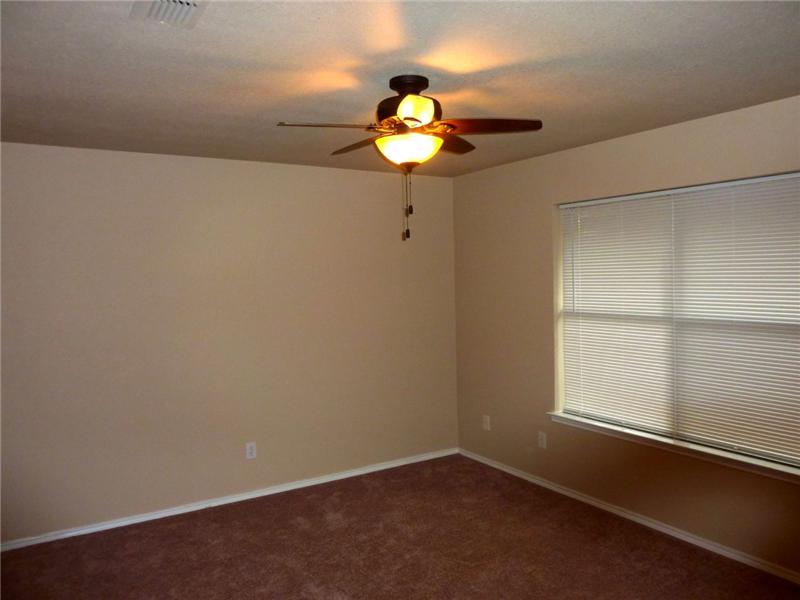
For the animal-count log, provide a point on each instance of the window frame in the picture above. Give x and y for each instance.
(696, 450)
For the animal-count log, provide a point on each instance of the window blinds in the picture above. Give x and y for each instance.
(681, 314)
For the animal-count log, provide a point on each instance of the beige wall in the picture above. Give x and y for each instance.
(504, 224)
(161, 311)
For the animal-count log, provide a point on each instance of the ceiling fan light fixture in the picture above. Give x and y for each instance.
(416, 111)
(409, 148)
(409, 131)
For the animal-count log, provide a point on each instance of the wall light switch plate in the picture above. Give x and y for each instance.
(250, 450)
(487, 423)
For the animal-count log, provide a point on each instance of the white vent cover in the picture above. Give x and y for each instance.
(178, 13)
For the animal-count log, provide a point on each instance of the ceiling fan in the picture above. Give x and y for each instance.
(409, 130)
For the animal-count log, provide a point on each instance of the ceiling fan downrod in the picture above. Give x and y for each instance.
(408, 84)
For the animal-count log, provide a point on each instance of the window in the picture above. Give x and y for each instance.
(681, 315)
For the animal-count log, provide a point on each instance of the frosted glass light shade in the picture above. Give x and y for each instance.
(409, 148)
(416, 111)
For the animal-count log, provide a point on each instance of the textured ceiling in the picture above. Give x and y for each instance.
(85, 74)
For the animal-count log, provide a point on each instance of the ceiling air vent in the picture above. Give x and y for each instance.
(178, 13)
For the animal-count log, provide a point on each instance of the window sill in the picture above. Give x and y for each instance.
(730, 459)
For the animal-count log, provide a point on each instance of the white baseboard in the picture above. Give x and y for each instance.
(177, 510)
(726, 551)
(732, 553)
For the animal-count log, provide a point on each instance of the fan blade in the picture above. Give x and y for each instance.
(337, 125)
(356, 146)
(470, 126)
(453, 143)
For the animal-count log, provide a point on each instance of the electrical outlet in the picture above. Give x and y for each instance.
(487, 423)
(542, 440)
(250, 450)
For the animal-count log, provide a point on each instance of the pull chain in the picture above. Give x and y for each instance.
(408, 208)
(405, 208)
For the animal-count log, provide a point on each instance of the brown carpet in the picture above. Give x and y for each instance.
(445, 528)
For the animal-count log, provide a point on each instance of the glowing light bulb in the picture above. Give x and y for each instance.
(416, 111)
(409, 148)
